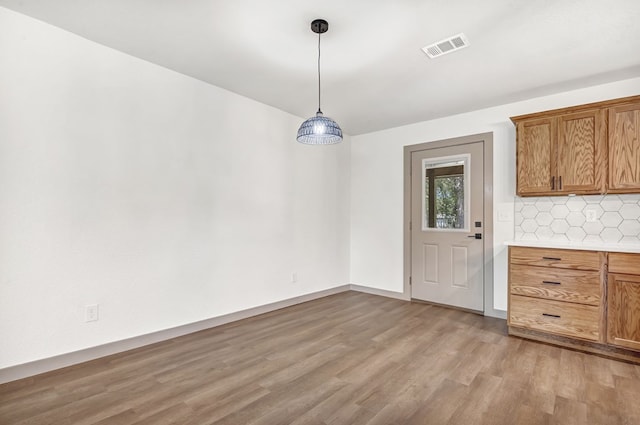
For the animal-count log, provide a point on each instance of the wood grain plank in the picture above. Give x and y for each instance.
(351, 358)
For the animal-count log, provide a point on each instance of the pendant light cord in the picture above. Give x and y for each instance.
(319, 110)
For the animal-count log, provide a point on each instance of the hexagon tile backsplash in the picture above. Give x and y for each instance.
(593, 218)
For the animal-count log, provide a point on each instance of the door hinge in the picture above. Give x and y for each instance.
(410, 226)
(409, 280)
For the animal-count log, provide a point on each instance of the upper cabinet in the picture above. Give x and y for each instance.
(562, 154)
(587, 149)
(624, 148)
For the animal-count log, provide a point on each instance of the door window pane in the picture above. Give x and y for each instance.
(445, 194)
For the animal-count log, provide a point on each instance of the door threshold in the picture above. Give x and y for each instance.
(452, 307)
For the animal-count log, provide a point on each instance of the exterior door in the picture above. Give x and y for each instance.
(447, 252)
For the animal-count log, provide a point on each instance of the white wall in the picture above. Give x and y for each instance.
(164, 199)
(169, 201)
(377, 185)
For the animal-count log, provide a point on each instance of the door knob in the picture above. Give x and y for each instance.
(476, 236)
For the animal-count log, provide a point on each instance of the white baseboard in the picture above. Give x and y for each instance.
(381, 292)
(498, 314)
(37, 367)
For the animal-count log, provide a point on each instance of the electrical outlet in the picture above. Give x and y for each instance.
(294, 277)
(591, 215)
(91, 313)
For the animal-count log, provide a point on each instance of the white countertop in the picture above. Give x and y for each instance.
(609, 247)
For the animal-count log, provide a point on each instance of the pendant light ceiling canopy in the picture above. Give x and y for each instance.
(319, 130)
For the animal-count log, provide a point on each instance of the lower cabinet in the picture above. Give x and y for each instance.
(623, 291)
(566, 297)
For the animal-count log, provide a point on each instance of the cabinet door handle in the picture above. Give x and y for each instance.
(555, 316)
(548, 282)
(553, 182)
(552, 258)
(560, 183)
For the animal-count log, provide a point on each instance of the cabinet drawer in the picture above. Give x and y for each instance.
(558, 258)
(574, 320)
(576, 286)
(624, 263)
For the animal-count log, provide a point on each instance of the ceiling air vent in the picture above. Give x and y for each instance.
(447, 45)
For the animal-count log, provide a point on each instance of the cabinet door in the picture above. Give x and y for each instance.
(582, 153)
(624, 148)
(535, 158)
(623, 315)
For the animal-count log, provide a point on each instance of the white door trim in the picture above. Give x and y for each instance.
(487, 140)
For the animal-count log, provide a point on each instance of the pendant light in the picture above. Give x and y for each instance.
(319, 130)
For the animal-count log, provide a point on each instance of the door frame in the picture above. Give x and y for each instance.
(487, 143)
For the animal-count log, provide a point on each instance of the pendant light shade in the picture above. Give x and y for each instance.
(319, 130)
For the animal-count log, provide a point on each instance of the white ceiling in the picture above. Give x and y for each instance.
(374, 75)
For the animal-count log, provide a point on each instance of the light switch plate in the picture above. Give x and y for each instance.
(504, 216)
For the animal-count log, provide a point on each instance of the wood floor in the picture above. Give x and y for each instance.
(350, 358)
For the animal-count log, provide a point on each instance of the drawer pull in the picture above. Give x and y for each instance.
(548, 282)
(555, 316)
(552, 258)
